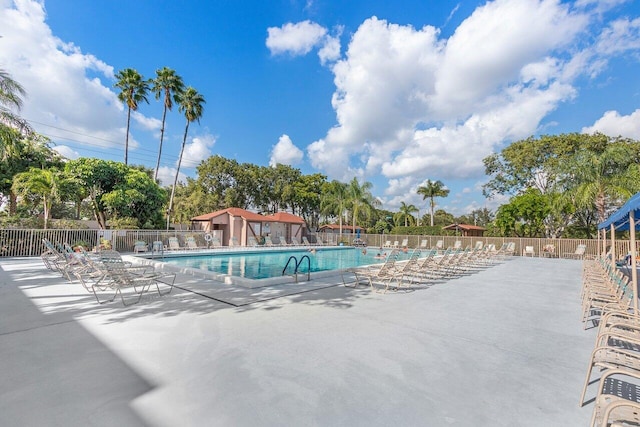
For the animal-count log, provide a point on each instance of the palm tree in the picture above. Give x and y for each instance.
(43, 184)
(431, 190)
(11, 94)
(596, 179)
(334, 200)
(167, 84)
(190, 103)
(133, 90)
(405, 213)
(359, 198)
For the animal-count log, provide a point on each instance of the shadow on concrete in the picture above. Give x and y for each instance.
(54, 372)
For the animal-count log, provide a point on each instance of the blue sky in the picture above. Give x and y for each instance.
(394, 93)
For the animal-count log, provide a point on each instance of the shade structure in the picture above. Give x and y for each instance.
(622, 220)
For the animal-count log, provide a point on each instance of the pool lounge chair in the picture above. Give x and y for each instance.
(294, 241)
(192, 244)
(251, 241)
(140, 246)
(117, 280)
(306, 241)
(528, 251)
(174, 244)
(578, 254)
(379, 278)
(268, 241)
(405, 243)
(423, 244)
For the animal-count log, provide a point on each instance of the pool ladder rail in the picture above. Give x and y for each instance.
(297, 264)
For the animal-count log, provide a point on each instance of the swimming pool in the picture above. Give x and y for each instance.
(257, 265)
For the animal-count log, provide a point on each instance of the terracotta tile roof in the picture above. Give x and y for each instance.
(251, 216)
(285, 217)
(463, 227)
(337, 227)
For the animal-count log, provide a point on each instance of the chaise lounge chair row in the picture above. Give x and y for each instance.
(106, 273)
(421, 268)
(607, 303)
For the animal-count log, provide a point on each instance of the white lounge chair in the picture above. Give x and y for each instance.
(140, 246)
(528, 251)
(379, 278)
(192, 244)
(174, 244)
(578, 254)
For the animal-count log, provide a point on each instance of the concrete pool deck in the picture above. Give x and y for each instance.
(502, 347)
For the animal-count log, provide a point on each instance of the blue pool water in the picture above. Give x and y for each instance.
(267, 264)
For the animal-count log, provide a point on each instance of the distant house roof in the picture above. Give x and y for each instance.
(465, 227)
(283, 217)
(337, 227)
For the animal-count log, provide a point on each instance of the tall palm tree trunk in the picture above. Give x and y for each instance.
(432, 205)
(126, 139)
(175, 181)
(164, 116)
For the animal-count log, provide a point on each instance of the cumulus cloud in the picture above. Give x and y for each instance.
(148, 123)
(285, 152)
(410, 104)
(66, 100)
(197, 150)
(295, 39)
(66, 152)
(300, 38)
(166, 175)
(614, 124)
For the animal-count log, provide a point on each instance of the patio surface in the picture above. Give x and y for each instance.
(501, 347)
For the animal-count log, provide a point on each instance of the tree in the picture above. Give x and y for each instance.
(11, 94)
(40, 184)
(333, 201)
(524, 214)
(431, 190)
(600, 179)
(306, 197)
(133, 90)
(138, 197)
(190, 102)
(536, 162)
(405, 214)
(168, 85)
(100, 177)
(19, 152)
(360, 200)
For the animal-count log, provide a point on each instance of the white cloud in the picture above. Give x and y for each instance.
(613, 124)
(295, 39)
(285, 152)
(66, 152)
(198, 150)
(166, 175)
(330, 51)
(409, 103)
(148, 123)
(66, 100)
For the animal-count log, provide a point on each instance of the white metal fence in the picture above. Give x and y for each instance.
(21, 242)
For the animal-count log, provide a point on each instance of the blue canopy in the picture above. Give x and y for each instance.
(620, 218)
